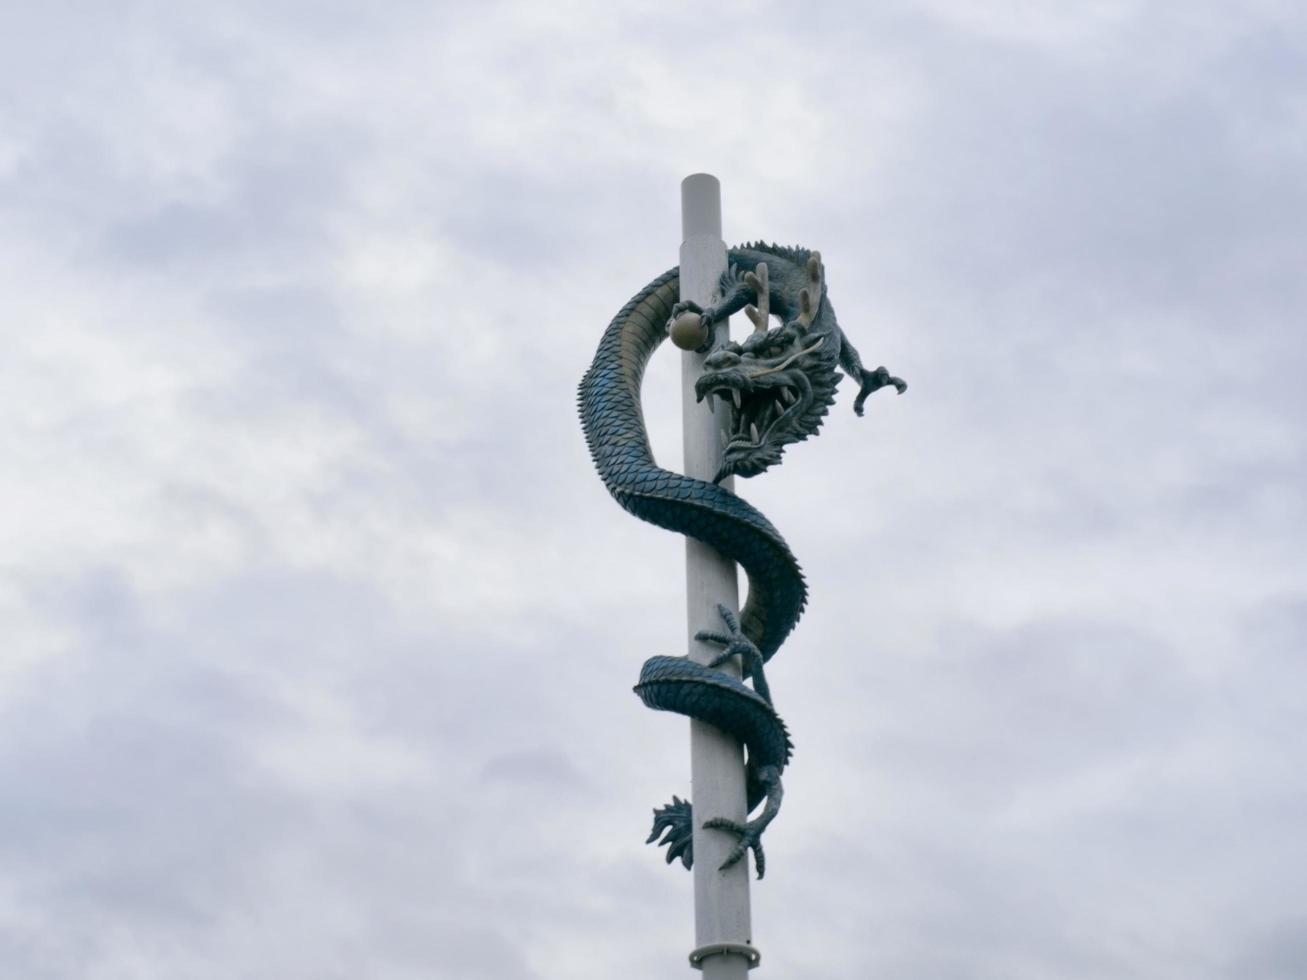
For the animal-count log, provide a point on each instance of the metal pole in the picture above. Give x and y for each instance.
(721, 898)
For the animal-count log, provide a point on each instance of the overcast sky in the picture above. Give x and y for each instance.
(319, 628)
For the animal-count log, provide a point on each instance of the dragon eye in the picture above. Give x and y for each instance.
(775, 341)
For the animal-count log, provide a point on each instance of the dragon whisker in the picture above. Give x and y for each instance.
(790, 360)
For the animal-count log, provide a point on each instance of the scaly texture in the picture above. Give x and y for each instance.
(778, 384)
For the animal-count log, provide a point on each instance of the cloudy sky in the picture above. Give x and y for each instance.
(320, 629)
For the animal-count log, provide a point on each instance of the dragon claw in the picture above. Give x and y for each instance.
(736, 643)
(875, 380)
(731, 826)
(733, 643)
(721, 658)
(706, 636)
(685, 306)
(750, 839)
(708, 316)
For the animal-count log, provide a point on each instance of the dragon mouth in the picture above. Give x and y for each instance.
(761, 412)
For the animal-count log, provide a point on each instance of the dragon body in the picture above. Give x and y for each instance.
(777, 384)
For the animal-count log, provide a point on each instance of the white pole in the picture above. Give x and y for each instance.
(721, 898)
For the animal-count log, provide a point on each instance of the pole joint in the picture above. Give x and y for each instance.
(751, 955)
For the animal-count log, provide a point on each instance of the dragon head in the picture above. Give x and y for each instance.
(778, 384)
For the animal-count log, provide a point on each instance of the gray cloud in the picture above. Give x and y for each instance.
(321, 631)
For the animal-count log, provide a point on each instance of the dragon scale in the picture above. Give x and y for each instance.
(778, 385)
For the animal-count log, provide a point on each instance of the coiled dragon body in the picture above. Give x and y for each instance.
(778, 384)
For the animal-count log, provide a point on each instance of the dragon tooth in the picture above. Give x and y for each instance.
(753, 432)
(724, 437)
(712, 402)
(735, 397)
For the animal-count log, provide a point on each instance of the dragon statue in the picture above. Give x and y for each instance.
(778, 384)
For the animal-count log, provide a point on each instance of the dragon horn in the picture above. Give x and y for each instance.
(759, 314)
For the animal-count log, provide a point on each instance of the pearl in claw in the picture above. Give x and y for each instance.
(688, 331)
